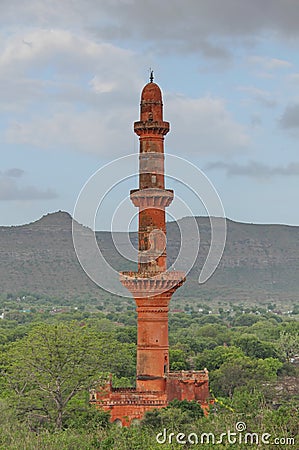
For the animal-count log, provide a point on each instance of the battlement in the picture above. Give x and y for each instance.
(189, 375)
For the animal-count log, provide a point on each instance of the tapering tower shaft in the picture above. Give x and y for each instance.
(152, 286)
(151, 129)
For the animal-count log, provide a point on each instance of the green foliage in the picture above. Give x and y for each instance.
(176, 414)
(245, 320)
(153, 419)
(241, 372)
(178, 360)
(248, 399)
(295, 309)
(288, 345)
(120, 359)
(50, 366)
(254, 347)
(191, 407)
(213, 359)
(88, 418)
(265, 332)
(172, 417)
(127, 334)
(122, 382)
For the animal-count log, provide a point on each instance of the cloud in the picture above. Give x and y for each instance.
(209, 28)
(79, 96)
(266, 67)
(64, 49)
(196, 26)
(255, 120)
(200, 17)
(203, 126)
(294, 78)
(71, 89)
(14, 172)
(101, 87)
(98, 132)
(290, 117)
(255, 169)
(10, 189)
(84, 103)
(263, 97)
(61, 59)
(267, 63)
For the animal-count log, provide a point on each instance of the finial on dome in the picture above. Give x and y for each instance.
(151, 75)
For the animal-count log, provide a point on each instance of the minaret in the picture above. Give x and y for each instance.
(152, 286)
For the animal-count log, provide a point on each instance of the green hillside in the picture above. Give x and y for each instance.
(260, 262)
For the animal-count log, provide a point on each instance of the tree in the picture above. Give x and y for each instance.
(213, 359)
(245, 320)
(49, 367)
(243, 371)
(249, 399)
(192, 407)
(176, 414)
(117, 358)
(254, 347)
(288, 345)
(178, 359)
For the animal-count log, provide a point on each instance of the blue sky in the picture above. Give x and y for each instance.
(71, 73)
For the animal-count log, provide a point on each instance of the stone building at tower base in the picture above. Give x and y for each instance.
(128, 405)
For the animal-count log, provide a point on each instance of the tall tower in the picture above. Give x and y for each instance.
(152, 286)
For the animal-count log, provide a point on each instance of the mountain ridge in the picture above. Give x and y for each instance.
(260, 261)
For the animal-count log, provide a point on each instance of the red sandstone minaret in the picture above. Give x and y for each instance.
(152, 286)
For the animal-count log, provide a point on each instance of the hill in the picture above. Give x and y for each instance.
(260, 262)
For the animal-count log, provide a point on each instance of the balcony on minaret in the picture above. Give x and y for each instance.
(149, 127)
(152, 284)
(151, 198)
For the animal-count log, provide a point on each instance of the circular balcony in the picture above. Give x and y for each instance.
(151, 198)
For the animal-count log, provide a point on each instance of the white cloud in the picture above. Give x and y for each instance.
(57, 61)
(294, 78)
(255, 169)
(264, 98)
(14, 172)
(63, 90)
(203, 126)
(86, 131)
(84, 97)
(199, 26)
(255, 120)
(101, 87)
(290, 117)
(11, 189)
(64, 49)
(267, 63)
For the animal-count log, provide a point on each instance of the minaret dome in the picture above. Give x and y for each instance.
(151, 106)
(151, 92)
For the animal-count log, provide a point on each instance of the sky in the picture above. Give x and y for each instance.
(71, 73)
